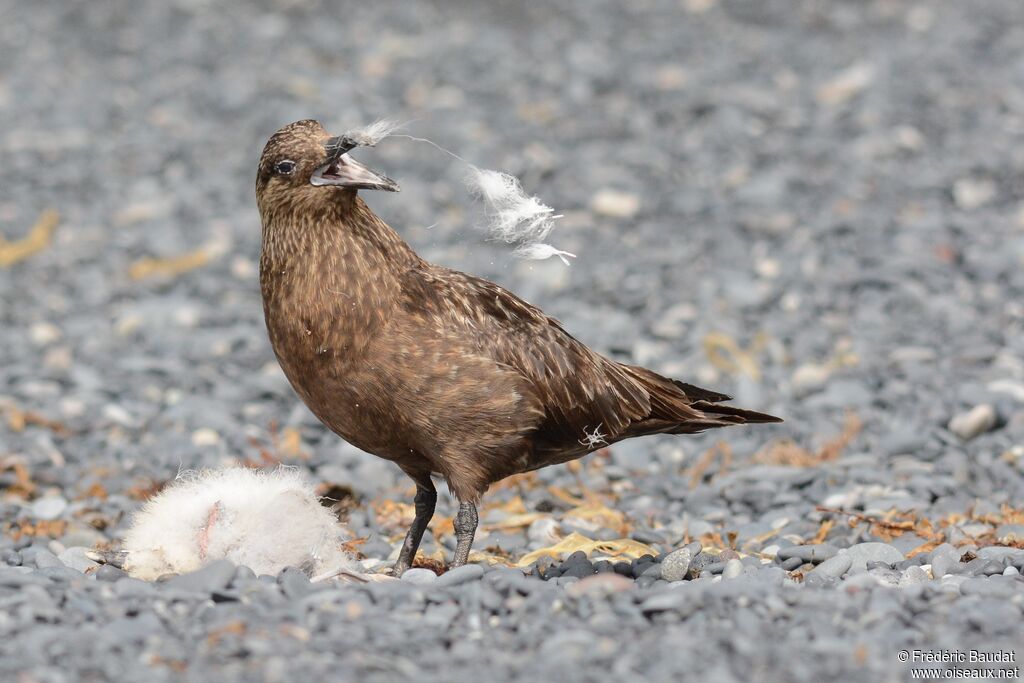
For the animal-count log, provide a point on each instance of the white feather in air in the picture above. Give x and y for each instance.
(265, 520)
(512, 215)
(539, 251)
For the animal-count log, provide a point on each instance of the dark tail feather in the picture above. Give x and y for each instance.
(681, 408)
(744, 416)
(696, 393)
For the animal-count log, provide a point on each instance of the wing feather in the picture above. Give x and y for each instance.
(580, 389)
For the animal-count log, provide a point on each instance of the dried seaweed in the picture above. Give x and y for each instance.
(623, 547)
(168, 267)
(37, 239)
(788, 452)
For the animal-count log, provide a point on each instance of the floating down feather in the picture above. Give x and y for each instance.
(265, 520)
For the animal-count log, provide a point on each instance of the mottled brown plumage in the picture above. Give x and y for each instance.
(441, 372)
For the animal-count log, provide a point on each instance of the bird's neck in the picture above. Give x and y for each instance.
(335, 265)
(344, 226)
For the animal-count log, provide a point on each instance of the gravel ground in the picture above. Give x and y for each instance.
(815, 206)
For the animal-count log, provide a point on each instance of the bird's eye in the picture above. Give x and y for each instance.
(285, 167)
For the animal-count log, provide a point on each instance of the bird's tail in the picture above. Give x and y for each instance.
(742, 416)
(681, 408)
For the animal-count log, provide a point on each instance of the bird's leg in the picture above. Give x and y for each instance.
(465, 529)
(426, 499)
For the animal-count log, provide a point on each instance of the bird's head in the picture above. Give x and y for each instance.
(302, 162)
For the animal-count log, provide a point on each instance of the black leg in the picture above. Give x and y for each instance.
(465, 529)
(426, 499)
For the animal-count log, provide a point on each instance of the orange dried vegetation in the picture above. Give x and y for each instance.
(788, 452)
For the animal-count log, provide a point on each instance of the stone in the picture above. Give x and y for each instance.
(294, 582)
(44, 559)
(700, 562)
(676, 565)
(543, 532)
(996, 587)
(615, 203)
(582, 569)
(460, 575)
(808, 553)
(978, 420)
(863, 553)
(419, 576)
(76, 557)
(50, 507)
(971, 193)
(215, 576)
(835, 566)
(1009, 533)
(603, 583)
(912, 576)
(808, 378)
(679, 601)
(733, 569)
(108, 572)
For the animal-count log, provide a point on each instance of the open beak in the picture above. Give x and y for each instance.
(344, 171)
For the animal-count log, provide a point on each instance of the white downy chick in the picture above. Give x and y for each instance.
(265, 520)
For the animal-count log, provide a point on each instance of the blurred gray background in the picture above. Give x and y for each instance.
(815, 206)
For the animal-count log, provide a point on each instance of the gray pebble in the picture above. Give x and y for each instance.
(676, 564)
(1001, 554)
(44, 558)
(16, 577)
(76, 558)
(543, 532)
(733, 568)
(61, 573)
(912, 576)
(997, 587)
(419, 576)
(945, 560)
(976, 421)
(135, 628)
(243, 573)
(108, 572)
(859, 582)
(677, 601)
(834, 567)
(126, 586)
(294, 582)
(653, 571)
(463, 574)
(215, 576)
(808, 553)
(813, 580)
(50, 507)
(1008, 533)
(700, 562)
(792, 563)
(863, 553)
